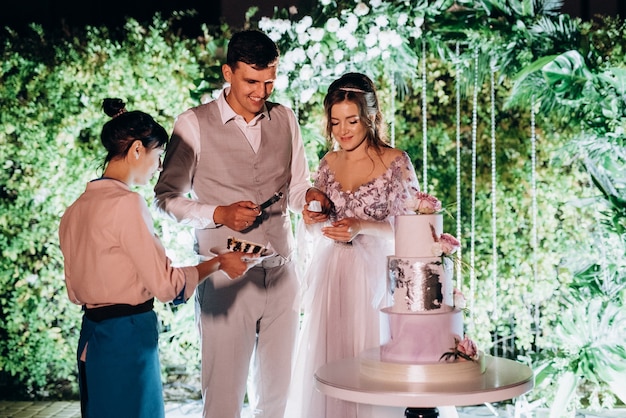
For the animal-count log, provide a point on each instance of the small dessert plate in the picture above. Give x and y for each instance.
(264, 254)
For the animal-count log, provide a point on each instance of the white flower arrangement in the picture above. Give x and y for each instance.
(365, 28)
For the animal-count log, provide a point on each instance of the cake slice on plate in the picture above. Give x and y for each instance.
(236, 244)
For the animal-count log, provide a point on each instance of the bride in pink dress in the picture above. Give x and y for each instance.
(345, 283)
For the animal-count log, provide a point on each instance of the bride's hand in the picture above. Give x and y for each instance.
(343, 230)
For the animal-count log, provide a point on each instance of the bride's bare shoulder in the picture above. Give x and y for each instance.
(389, 155)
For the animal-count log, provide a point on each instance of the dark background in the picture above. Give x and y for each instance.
(17, 14)
(74, 13)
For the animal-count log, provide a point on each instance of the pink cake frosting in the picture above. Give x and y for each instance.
(421, 338)
(414, 234)
(426, 341)
(423, 322)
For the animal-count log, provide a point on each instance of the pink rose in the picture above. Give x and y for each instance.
(423, 203)
(468, 347)
(449, 244)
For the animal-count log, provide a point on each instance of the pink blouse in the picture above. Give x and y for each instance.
(111, 253)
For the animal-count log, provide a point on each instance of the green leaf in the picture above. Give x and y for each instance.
(616, 379)
(567, 75)
(566, 388)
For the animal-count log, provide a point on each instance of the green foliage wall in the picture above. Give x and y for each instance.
(52, 90)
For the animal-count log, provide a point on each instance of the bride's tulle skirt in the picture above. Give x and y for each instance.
(344, 291)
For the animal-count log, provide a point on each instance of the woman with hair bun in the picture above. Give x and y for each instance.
(115, 266)
(368, 182)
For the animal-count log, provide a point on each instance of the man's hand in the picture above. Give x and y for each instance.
(314, 216)
(237, 216)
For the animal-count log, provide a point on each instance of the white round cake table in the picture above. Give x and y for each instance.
(503, 379)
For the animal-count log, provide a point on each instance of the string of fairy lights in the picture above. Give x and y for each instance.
(392, 125)
(459, 227)
(424, 120)
(533, 188)
(460, 267)
(494, 215)
(473, 198)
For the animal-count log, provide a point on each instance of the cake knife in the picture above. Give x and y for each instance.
(269, 202)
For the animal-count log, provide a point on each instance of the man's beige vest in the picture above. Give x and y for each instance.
(229, 171)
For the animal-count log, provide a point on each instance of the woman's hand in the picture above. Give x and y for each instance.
(232, 263)
(343, 230)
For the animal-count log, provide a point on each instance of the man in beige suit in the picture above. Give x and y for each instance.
(225, 158)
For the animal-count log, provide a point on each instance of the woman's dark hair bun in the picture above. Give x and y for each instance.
(113, 106)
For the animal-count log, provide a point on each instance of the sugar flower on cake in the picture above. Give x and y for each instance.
(465, 349)
(468, 349)
(445, 244)
(423, 204)
(459, 299)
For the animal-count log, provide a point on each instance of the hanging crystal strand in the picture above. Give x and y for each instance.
(533, 168)
(473, 204)
(424, 120)
(494, 250)
(393, 110)
(459, 280)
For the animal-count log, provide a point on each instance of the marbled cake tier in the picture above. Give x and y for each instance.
(421, 338)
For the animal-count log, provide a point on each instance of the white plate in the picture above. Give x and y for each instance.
(265, 254)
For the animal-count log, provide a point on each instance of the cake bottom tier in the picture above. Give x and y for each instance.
(420, 338)
(372, 367)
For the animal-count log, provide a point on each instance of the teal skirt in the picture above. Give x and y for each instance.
(121, 376)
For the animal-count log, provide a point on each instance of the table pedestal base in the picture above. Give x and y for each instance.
(382, 411)
(421, 413)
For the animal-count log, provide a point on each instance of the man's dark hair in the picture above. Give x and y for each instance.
(252, 47)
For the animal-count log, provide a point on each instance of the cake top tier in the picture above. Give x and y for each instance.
(416, 235)
(420, 234)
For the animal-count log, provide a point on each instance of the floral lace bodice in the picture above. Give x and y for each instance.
(377, 199)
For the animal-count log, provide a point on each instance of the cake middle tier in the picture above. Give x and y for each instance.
(420, 284)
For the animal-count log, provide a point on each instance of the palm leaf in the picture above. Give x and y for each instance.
(567, 75)
(550, 35)
(549, 6)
